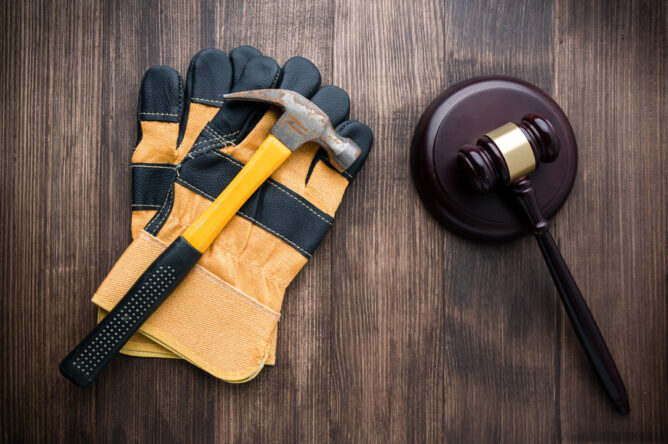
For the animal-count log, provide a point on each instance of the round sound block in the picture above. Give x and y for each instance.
(461, 115)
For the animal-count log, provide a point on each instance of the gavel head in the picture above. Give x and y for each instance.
(509, 152)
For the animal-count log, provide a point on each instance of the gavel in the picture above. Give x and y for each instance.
(503, 158)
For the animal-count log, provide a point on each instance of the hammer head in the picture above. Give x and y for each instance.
(302, 122)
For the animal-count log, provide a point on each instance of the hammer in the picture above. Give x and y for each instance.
(301, 122)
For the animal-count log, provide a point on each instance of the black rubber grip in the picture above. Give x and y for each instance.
(87, 360)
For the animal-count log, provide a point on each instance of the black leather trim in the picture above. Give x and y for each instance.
(150, 184)
(158, 220)
(273, 207)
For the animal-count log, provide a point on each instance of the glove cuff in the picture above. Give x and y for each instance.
(205, 320)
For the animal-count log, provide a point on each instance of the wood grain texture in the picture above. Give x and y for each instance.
(501, 308)
(612, 57)
(396, 331)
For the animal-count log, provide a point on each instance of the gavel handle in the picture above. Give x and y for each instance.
(585, 326)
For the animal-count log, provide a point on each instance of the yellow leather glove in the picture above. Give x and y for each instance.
(224, 315)
(170, 119)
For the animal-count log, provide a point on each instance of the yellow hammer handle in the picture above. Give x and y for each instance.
(269, 156)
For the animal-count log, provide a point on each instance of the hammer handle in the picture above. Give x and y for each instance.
(269, 156)
(88, 359)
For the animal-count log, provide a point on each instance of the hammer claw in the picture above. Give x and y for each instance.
(275, 96)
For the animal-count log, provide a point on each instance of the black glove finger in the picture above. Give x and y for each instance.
(334, 101)
(298, 74)
(235, 118)
(362, 136)
(301, 76)
(160, 103)
(209, 78)
(160, 97)
(240, 56)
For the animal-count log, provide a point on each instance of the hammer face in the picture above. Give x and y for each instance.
(342, 152)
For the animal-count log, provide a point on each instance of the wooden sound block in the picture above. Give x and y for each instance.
(461, 115)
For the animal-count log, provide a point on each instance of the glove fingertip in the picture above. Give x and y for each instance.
(239, 57)
(301, 75)
(160, 95)
(362, 135)
(236, 118)
(334, 101)
(259, 72)
(209, 77)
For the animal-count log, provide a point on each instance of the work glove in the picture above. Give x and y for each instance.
(223, 316)
(163, 108)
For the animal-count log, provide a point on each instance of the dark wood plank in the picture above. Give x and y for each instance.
(501, 308)
(611, 70)
(51, 117)
(396, 330)
(387, 339)
(286, 403)
(153, 33)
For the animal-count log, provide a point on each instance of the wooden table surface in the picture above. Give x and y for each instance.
(435, 338)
